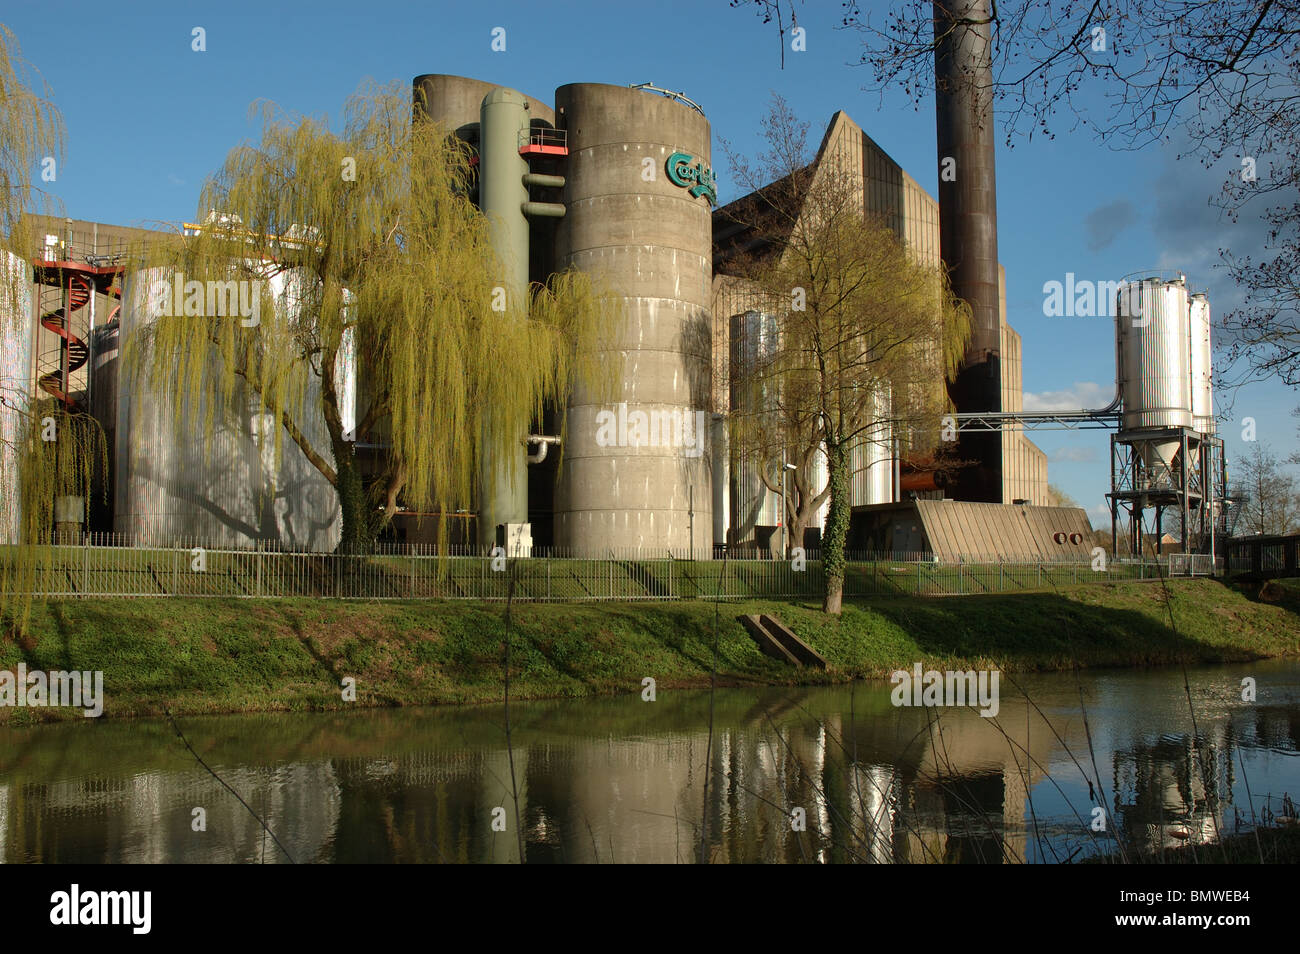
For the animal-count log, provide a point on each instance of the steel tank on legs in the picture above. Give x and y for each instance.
(1155, 380)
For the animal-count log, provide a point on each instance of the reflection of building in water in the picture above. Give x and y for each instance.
(622, 780)
(147, 818)
(1174, 792)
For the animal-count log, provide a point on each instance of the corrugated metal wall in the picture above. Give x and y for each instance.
(16, 320)
(174, 483)
(1024, 465)
(973, 531)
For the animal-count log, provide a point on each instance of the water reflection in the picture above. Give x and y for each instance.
(827, 775)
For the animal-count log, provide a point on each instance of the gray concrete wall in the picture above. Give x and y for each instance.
(651, 240)
(455, 101)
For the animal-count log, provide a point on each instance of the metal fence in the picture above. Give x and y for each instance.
(109, 567)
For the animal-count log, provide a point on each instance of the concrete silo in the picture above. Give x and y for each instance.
(639, 193)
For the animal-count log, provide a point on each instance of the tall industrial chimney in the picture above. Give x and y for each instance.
(968, 225)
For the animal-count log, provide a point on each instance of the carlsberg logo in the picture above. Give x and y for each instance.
(210, 299)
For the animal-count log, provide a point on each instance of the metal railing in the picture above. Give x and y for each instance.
(111, 566)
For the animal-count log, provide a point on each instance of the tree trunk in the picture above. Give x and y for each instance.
(358, 523)
(837, 527)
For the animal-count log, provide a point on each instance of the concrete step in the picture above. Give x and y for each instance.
(791, 643)
(766, 641)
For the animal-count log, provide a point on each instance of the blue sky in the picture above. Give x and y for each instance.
(148, 118)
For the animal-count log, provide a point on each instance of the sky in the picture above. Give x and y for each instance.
(148, 117)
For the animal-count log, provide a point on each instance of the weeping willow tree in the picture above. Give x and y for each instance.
(48, 450)
(862, 335)
(360, 249)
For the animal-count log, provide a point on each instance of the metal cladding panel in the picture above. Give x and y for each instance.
(16, 333)
(1154, 355)
(174, 481)
(1202, 365)
(872, 467)
(650, 240)
(958, 530)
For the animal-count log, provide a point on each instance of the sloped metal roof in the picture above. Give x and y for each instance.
(974, 531)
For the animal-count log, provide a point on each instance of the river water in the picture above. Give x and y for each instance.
(830, 775)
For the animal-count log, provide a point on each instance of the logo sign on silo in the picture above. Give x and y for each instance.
(691, 173)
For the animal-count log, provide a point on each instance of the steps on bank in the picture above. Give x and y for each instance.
(776, 640)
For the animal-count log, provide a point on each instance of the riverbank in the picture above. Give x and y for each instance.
(212, 656)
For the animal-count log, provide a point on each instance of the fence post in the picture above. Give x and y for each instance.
(1001, 585)
(1040, 575)
(960, 586)
(85, 564)
(548, 579)
(259, 567)
(1076, 573)
(918, 576)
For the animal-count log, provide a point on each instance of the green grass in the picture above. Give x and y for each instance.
(198, 655)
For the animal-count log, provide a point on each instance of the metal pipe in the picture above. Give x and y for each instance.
(547, 210)
(544, 181)
(502, 115)
(543, 441)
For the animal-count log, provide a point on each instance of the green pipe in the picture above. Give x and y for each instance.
(545, 182)
(503, 478)
(550, 210)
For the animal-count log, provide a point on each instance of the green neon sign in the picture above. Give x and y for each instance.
(691, 173)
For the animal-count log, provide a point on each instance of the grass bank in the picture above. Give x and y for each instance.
(218, 655)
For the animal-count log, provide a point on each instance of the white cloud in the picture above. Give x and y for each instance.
(1073, 454)
(1081, 395)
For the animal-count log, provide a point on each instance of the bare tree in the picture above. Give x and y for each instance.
(1274, 501)
(1221, 77)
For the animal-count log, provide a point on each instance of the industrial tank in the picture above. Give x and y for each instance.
(753, 341)
(1154, 351)
(871, 459)
(455, 101)
(1201, 364)
(178, 483)
(638, 193)
(15, 382)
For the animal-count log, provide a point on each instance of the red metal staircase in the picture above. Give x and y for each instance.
(66, 289)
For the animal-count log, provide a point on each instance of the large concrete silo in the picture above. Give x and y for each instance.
(639, 196)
